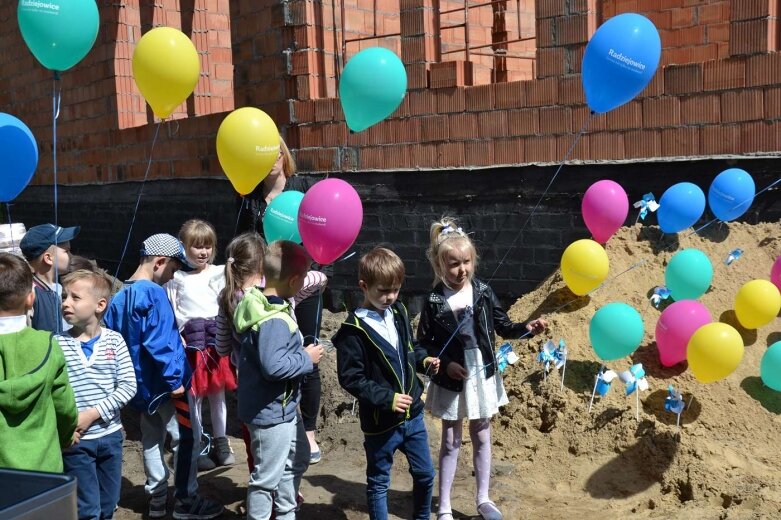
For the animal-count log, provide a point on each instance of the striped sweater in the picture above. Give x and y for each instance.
(106, 381)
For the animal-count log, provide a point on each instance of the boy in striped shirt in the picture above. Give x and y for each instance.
(101, 373)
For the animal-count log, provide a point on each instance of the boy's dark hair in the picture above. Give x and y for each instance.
(381, 266)
(16, 282)
(78, 262)
(285, 259)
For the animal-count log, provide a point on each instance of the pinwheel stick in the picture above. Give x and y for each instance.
(593, 393)
(563, 373)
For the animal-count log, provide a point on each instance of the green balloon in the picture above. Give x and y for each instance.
(280, 222)
(615, 331)
(770, 367)
(372, 87)
(688, 275)
(58, 32)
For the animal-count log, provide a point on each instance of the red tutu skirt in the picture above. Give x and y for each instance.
(211, 372)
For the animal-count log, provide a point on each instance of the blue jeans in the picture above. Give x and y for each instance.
(97, 466)
(412, 440)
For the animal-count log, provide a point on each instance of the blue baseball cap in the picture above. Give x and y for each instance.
(163, 244)
(39, 238)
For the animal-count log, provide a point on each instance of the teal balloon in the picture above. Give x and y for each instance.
(59, 33)
(280, 222)
(770, 367)
(688, 275)
(615, 331)
(372, 87)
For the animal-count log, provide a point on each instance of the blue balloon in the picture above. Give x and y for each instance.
(680, 207)
(731, 194)
(372, 87)
(18, 157)
(620, 60)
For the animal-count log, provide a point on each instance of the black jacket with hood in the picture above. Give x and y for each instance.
(438, 324)
(374, 371)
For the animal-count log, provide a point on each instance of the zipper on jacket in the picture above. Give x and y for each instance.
(395, 375)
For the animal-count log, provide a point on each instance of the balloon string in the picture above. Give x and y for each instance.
(542, 197)
(56, 100)
(10, 225)
(138, 199)
(238, 216)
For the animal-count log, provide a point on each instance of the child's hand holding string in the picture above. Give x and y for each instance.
(431, 364)
(537, 326)
(456, 371)
(315, 352)
(401, 402)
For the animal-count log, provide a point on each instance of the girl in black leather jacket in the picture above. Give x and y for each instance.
(457, 325)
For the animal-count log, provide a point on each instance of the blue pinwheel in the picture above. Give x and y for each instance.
(634, 379)
(660, 293)
(674, 402)
(505, 356)
(732, 256)
(648, 203)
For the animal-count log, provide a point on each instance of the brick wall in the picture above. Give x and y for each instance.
(398, 209)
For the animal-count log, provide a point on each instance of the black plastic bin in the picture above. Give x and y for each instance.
(32, 495)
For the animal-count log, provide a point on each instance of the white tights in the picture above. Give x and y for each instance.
(218, 411)
(480, 433)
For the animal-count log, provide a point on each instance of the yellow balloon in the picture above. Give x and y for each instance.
(714, 352)
(757, 303)
(584, 266)
(166, 69)
(247, 147)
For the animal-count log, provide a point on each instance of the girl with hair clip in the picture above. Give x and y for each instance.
(457, 325)
(243, 270)
(194, 298)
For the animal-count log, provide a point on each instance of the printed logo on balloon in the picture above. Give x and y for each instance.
(247, 148)
(329, 219)
(620, 60)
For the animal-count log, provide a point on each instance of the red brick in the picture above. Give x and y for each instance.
(773, 103)
(545, 32)
(742, 105)
(405, 130)
(434, 128)
(417, 75)
(304, 111)
(317, 159)
(492, 124)
(334, 134)
(724, 74)
(701, 109)
(401, 111)
(310, 136)
(680, 142)
(683, 79)
(753, 37)
(751, 9)
(571, 91)
(543, 92)
(762, 136)
(540, 149)
(509, 151)
(551, 61)
(417, 49)
(661, 112)
(463, 126)
(324, 109)
(416, 22)
(606, 145)
(450, 155)
(510, 95)
(555, 120)
(479, 98)
(576, 58)
(720, 140)
(422, 102)
(425, 155)
(682, 17)
(523, 122)
(450, 100)
(583, 119)
(450, 74)
(549, 8)
(479, 153)
(572, 29)
(625, 117)
(640, 144)
(581, 152)
(397, 157)
(763, 70)
(372, 158)
(713, 13)
(717, 33)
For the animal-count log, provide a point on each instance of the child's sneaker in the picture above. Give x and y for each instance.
(222, 453)
(197, 508)
(158, 506)
(205, 463)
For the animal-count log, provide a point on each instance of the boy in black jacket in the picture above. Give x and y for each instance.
(376, 361)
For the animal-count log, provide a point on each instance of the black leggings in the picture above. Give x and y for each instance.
(308, 316)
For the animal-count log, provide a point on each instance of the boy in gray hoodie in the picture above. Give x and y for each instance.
(273, 361)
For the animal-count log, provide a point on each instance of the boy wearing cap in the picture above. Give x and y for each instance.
(47, 250)
(142, 313)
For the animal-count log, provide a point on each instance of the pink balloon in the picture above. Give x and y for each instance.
(329, 219)
(605, 207)
(675, 328)
(775, 273)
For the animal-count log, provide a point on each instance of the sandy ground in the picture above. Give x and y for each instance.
(552, 459)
